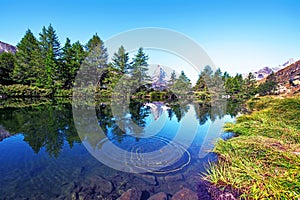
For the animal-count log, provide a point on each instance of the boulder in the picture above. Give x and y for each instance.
(185, 194)
(131, 194)
(172, 178)
(159, 196)
(101, 185)
(147, 178)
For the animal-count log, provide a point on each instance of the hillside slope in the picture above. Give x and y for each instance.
(289, 79)
(4, 47)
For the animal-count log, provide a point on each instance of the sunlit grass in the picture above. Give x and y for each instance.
(263, 162)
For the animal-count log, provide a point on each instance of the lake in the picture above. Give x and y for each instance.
(152, 146)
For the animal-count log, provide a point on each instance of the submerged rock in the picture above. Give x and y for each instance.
(159, 196)
(148, 178)
(96, 188)
(131, 194)
(101, 185)
(3, 133)
(172, 178)
(185, 194)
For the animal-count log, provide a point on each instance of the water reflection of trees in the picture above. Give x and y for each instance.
(179, 110)
(121, 121)
(45, 126)
(50, 126)
(205, 111)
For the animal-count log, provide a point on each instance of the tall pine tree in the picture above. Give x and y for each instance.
(140, 67)
(95, 63)
(51, 52)
(72, 56)
(120, 60)
(29, 68)
(97, 53)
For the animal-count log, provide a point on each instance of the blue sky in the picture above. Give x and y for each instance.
(239, 35)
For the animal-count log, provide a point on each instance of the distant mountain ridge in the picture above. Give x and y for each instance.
(287, 63)
(266, 71)
(4, 47)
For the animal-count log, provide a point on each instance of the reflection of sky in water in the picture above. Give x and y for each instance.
(34, 163)
(163, 139)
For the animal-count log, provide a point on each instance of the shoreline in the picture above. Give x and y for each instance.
(262, 161)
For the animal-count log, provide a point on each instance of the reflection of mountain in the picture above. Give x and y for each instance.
(157, 109)
(50, 127)
(3, 133)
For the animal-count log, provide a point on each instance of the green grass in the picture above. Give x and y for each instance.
(263, 161)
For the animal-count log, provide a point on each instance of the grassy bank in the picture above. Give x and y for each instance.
(263, 161)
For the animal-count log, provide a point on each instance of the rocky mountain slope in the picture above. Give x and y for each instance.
(4, 47)
(288, 79)
(266, 71)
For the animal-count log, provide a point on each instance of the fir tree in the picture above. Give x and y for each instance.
(172, 79)
(51, 52)
(29, 68)
(97, 52)
(120, 60)
(95, 63)
(7, 65)
(140, 67)
(182, 85)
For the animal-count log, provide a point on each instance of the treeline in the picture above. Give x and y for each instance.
(43, 67)
(235, 87)
(44, 64)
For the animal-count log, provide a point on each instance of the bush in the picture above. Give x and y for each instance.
(63, 93)
(18, 90)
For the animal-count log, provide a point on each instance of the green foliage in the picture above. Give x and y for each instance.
(139, 67)
(43, 125)
(172, 79)
(269, 86)
(182, 85)
(234, 86)
(120, 60)
(63, 93)
(72, 57)
(7, 65)
(29, 68)
(51, 52)
(18, 90)
(115, 70)
(263, 161)
(94, 65)
(49, 41)
(97, 53)
(158, 95)
(217, 84)
(44, 63)
(208, 83)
